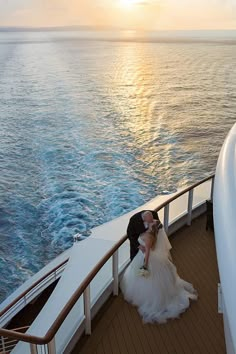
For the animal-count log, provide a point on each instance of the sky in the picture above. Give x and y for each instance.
(128, 14)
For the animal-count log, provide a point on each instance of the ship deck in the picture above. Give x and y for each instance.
(118, 329)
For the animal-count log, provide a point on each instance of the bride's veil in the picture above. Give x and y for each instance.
(163, 244)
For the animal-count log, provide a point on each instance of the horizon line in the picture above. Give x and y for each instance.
(107, 28)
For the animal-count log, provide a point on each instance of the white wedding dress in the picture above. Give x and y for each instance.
(163, 294)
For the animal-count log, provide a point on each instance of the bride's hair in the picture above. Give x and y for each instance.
(153, 233)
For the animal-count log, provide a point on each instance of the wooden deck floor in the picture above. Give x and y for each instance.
(118, 329)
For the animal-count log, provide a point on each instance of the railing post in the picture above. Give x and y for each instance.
(190, 207)
(166, 218)
(3, 345)
(33, 349)
(87, 310)
(25, 300)
(115, 272)
(52, 347)
(212, 187)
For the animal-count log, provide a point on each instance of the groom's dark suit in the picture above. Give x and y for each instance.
(135, 229)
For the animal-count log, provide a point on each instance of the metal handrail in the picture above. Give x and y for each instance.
(21, 328)
(185, 190)
(32, 286)
(7, 344)
(78, 293)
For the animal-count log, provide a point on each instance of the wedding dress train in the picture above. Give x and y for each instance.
(163, 294)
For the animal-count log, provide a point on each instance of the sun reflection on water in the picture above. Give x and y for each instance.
(133, 94)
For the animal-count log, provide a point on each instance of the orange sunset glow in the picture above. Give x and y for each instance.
(129, 14)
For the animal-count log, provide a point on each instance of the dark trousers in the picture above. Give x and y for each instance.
(133, 248)
(209, 213)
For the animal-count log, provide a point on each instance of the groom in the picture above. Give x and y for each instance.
(137, 226)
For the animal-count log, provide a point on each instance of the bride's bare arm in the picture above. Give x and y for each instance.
(142, 248)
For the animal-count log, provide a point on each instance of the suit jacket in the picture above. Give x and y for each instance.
(135, 229)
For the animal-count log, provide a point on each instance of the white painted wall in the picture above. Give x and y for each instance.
(225, 233)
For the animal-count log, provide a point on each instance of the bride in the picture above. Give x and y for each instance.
(151, 281)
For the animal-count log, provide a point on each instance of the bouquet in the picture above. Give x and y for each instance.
(143, 272)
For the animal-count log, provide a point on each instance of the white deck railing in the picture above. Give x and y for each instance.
(225, 234)
(92, 273)
(32, 289)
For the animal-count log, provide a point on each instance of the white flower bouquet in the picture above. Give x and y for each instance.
(143, 272)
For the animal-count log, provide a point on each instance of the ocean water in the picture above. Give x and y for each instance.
(91, 129)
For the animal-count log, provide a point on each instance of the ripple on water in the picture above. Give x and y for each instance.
(91, 131)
